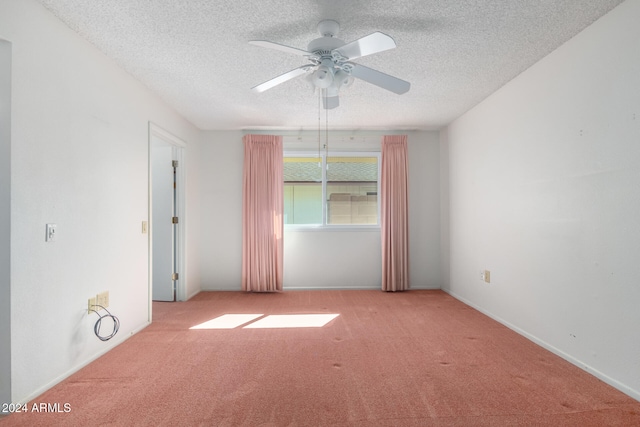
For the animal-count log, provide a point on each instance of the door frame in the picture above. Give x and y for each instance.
(6, 327)
(179, 146)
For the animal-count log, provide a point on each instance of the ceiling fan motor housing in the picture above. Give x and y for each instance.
(324, 45)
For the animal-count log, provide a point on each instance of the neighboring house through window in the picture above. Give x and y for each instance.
(339, 189)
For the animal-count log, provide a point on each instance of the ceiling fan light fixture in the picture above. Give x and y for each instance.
(342, 79)
(331, 91)
(322, 77)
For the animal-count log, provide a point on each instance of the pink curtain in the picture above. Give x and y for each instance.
(262, 214)
(394, 210)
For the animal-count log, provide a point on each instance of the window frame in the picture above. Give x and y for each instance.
(324, 225)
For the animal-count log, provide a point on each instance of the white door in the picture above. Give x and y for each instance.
(162, 228)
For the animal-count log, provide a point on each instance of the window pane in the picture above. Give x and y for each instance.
(302, 190)
(352, 190)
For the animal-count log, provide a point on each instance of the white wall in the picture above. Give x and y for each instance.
(80, 160)
(424, 211)
(220, 255)
(315, 259)
(332, 259)
(444, 210)
(543, 179)
(5, 221)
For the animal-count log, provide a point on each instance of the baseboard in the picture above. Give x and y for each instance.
(580, 364)
(75, 369)
(320, 288)
(329, 288)
(222, 289)
(347, 288)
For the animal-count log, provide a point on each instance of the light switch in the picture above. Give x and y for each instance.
(51, 233)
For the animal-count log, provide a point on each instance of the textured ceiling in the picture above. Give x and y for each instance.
(194, 54)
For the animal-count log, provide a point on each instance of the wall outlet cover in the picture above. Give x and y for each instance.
(50, 233)
(102, 299)
(91, 303)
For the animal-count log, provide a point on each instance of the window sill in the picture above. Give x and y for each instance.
(314, 228)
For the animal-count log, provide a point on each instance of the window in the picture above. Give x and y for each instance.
(336, 190)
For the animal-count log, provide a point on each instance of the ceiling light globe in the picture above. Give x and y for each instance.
(322, 77)
(342, 78)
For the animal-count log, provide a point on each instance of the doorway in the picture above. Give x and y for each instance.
(166, 215)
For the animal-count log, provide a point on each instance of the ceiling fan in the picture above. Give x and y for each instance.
(330, 66)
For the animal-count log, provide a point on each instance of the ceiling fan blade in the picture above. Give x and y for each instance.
(281, 78)
(367, 45)
(383, 80)
(329, 102)
(280, 47)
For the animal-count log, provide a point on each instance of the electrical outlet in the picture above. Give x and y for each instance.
(90, 308)
(487, 276)
(102, 299)
(482, 275)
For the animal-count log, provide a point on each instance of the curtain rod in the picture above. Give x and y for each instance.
(334, 133)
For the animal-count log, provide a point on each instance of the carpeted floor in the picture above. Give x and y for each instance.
(418, 358)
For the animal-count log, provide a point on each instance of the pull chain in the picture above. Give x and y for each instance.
(319, 115)
(326, 132)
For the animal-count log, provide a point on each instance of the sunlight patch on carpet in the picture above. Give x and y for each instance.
(293, 321)
(232, 321)
(227, 321)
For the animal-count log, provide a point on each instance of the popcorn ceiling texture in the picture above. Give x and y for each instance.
(194, 54)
